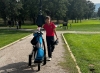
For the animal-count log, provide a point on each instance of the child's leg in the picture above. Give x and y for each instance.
(52, 43)
(53, 47)
(49, 47)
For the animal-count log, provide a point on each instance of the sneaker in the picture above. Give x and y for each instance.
(49, 59)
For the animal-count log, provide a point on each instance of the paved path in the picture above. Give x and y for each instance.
(14, 59)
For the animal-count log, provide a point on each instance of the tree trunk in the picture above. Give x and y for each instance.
(5, 22)
(23, 21)
(72, 20)
(80, 20)
(57, 20)
(75, 20)
(34, 21)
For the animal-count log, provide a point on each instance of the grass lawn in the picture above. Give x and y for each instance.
(68, 63)
(85, 25)
(86, 49)
(28, 26)
(8, 36)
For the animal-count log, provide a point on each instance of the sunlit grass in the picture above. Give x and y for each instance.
(86, 49)
(28, 26)
(85, 25)
(8, 36)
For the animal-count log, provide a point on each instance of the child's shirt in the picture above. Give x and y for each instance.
(49, 29)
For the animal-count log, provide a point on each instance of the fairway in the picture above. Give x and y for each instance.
(86, 50)
(85, 25)
(8, 36)
(28, 26)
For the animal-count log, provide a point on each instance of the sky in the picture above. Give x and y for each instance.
(95, 1)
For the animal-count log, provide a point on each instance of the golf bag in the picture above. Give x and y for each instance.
(39, 50)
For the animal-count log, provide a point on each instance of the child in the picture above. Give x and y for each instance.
(50, 32)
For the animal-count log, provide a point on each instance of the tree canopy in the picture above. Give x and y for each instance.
(57, 9)
(98, 12)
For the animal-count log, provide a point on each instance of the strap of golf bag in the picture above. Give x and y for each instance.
(44, 52)
(44, 47)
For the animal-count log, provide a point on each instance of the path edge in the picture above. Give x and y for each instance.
(15, 42)
(73, 57)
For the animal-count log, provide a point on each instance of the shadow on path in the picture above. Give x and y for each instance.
(20, 67)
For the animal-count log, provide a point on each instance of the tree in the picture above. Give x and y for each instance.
(29, 10)
(89, 10)
(33, 10)
(55, 8)
(13, 9)
(81, 8)
(9, 9)
(98, 12)
(76, 9)
(3, 10)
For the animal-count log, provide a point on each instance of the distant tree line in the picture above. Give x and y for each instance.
(98, 13)
(57, 9)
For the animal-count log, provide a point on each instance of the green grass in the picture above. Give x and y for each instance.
(8, 36)
(86, 50)
(28, 26)
(85, 25)
(68, 64)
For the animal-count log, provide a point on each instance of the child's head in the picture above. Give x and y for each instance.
(47, 19)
